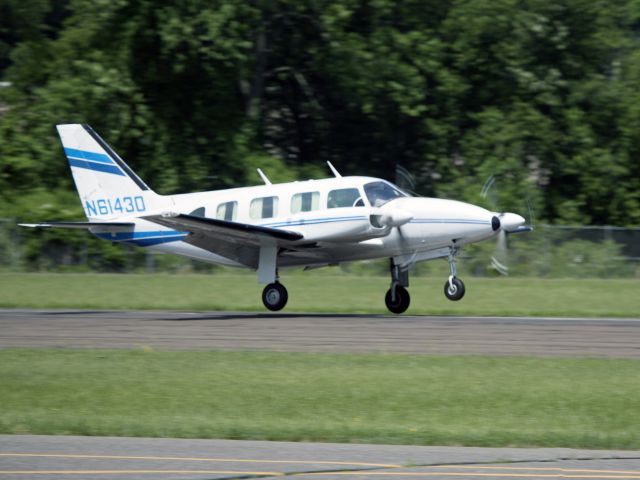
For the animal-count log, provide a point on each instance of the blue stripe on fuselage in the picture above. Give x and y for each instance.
(450, 220)
(147, 242)
(144, 239)
(311, 221)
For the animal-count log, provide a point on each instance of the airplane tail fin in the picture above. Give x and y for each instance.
(108, 188)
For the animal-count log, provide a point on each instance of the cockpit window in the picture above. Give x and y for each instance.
(344, 197)
(380, 193)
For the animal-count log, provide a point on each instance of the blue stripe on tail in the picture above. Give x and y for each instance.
(85, 155)
(96, 167)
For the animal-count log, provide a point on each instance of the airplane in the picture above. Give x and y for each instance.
(313, 223)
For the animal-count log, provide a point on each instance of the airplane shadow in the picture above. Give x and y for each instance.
(65, 313)
(266, 316)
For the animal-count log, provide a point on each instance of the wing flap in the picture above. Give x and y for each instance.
(224, 229)
(240, 242)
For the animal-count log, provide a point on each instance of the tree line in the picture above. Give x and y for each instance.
(194, 95)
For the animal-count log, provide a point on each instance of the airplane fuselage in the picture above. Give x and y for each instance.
(334, 215)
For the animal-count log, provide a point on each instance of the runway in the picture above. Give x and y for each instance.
(62, 458)
(68, 457)
(293, 332)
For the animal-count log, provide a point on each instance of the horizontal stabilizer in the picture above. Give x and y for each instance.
(110, 226)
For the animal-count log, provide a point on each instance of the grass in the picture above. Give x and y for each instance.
(320, 292)
(398, 399)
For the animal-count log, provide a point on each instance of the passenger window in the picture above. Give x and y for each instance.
(345, 197)
(305, 202)
(227, 211)
(265, 207)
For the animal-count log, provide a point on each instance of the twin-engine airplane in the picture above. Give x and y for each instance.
(308, 224)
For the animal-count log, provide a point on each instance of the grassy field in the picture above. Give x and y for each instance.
(321, 292)
(398, 399)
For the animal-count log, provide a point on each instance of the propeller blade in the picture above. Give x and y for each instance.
(405, 180)
(487, 186)
(532, 220)
(499, 258)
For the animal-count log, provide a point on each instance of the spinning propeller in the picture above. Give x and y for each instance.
(504, 223)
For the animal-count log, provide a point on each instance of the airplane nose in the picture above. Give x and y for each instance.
(510, 221)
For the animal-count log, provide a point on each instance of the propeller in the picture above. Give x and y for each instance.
(503, 223)
(390, 215)
(407, 182)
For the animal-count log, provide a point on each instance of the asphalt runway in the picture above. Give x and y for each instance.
(63, 458)
(67, 457)
(293, 332)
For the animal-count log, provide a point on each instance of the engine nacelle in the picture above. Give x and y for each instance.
(353, 224)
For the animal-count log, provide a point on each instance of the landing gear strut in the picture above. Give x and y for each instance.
(454, 287)
(275, 296)
(397, 298)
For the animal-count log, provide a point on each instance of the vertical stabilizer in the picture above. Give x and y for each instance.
(108, 188)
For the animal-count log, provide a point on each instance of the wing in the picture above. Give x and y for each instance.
(240, 242)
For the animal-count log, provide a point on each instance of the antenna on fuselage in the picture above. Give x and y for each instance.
(264, 177)
(333, 170)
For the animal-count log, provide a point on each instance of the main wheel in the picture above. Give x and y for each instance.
(275, 296)
(401, 302)
(455, 290)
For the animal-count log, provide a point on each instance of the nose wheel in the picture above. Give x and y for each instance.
(275, 296)
(454, 287)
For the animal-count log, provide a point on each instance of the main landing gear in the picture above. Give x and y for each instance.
(397, 298)
(275, 296)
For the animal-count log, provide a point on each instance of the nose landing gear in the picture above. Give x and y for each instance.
(454, 287)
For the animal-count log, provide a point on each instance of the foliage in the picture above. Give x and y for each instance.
(196, 95)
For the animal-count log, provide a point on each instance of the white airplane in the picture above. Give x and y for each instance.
(307, 224)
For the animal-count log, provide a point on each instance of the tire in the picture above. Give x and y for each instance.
(403, 299)
(455, 291)
(275, 296)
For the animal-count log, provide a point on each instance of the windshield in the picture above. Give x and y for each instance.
(380, 193)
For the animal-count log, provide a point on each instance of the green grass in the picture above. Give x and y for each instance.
(321, 292)
(588, 403)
